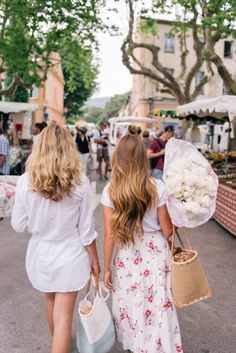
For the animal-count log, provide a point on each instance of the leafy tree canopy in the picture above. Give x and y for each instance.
(80, 73)
(30, 30)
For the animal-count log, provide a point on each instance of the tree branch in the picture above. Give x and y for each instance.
(128, 47)
(198, 48)
(16, 81)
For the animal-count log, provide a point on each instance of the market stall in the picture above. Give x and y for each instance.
(224, 164)
(123, 123)
(16, 118)
(7, 194)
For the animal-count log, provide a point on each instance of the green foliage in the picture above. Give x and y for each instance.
(148, 26)
(80, 74)
(71, 120)
(93, 114)
(30, 30)
(21, 95)
(111, 109)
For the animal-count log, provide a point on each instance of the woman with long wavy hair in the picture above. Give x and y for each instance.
(137, 227)
(53, 203)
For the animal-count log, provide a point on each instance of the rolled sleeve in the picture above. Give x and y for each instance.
(87, 232)
(19, 217)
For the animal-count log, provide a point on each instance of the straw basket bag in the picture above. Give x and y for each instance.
(189, 283)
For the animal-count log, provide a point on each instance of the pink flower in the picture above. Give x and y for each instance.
(151, 245)
(159, 343)
(122, 316)
(136, 261)
(179, 349)
(168, 304)
(9, 193)
(147, 313)
(150, 299)
(121, 264)
(133, 288)
(146, 273)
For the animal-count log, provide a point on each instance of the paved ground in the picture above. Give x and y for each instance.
(207, 327)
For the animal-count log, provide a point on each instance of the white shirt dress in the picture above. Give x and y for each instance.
(143, 309)
(56, 258)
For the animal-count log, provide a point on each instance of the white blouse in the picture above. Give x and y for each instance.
(150, 220)
(56, 259)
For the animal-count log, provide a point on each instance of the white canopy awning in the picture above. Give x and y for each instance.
(15, 107)
(133, 120)
(217, 107)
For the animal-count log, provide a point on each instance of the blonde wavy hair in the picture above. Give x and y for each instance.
(132, 189)
(54, 165)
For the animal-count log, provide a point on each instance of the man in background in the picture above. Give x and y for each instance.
(37, 128)
(156, 151)
(84, 147)
(101, 138)
(4, 154)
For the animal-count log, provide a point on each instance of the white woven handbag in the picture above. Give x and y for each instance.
(96, 332)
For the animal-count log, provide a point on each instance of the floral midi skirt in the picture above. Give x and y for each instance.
(144, 314)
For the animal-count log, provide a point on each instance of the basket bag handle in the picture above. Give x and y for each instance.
(175, 232)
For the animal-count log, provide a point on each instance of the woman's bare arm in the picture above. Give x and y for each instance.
(165, 221)
(109, 245)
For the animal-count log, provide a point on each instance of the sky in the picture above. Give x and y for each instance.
(114, 77)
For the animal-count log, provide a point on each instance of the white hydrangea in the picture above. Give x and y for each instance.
(191, 183)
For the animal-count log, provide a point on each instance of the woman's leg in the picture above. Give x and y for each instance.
(50, 297)
(62, 318)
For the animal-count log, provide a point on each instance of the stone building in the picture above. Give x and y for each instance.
(50, 96)
(148, 95)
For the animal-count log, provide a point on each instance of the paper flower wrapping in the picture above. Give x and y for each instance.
(191, 184)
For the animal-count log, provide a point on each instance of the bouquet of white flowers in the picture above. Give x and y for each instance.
(191, 184)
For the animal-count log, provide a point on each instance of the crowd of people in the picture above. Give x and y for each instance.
(62, 250)
(154, 143)
(98, 144)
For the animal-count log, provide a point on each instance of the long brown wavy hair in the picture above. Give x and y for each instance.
(132, 190)
(54, 165)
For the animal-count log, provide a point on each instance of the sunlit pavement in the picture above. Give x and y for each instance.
(207, 327)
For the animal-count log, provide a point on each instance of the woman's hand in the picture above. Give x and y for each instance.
(107, 279)
(95, 269)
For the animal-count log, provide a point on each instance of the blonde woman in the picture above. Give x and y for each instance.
(137, 227)
(53, 203)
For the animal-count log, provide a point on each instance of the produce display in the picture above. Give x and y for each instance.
(222, 162)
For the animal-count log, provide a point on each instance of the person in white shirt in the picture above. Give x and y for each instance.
(53, 203)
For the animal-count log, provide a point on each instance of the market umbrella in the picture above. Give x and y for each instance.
(217, 107)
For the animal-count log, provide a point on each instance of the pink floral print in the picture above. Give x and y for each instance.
(144, 314)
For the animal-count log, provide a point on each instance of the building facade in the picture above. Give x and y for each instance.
(50, 96)
(148, 95)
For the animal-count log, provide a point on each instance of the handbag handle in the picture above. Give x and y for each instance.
(175, 232)
(93, 283)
